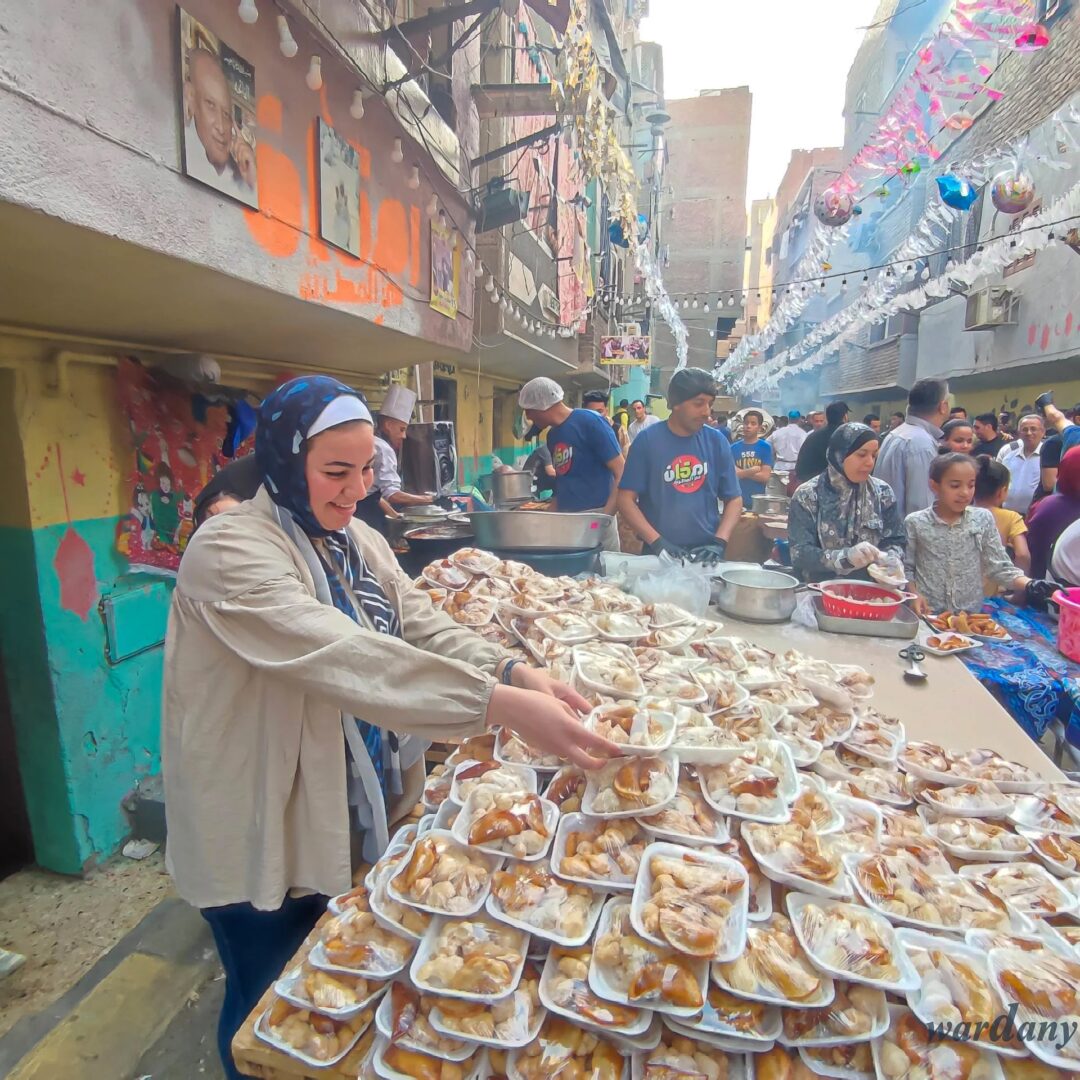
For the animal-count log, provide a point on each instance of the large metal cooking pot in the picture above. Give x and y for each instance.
(769, 504)
(511, 487)
(538, 530)
(757, 595)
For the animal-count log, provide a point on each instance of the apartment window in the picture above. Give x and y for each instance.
(889, 328)
(438, 87)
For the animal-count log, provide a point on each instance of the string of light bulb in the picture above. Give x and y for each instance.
(249, 13)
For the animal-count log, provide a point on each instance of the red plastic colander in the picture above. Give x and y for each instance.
(850, 599)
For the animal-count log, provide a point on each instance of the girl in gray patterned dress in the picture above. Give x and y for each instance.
(952, 546)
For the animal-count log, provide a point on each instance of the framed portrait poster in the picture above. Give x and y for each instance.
(445, 269)
(339, 191)
(217, 95)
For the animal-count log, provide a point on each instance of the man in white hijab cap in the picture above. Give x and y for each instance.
(586, 455)
(391, 426)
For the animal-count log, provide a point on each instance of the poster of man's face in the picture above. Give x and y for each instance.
(218, 94)
(339, 191)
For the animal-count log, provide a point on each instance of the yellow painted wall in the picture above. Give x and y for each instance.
(980, 401)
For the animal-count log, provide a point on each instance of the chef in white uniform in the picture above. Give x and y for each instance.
(391, 426)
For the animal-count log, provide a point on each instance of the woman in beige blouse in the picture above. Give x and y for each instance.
(301, 670)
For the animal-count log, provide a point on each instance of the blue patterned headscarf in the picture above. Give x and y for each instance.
(286, 419)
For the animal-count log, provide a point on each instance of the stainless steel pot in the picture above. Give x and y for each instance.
(510, 487)
(537, 530)
(769, 504)
(757, 595)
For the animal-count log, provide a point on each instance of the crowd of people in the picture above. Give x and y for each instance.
(957, 508)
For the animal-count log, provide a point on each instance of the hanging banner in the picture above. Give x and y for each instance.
(445, 270)
(629, 349)
(177, 437)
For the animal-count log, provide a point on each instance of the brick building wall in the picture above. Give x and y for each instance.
(709, 145)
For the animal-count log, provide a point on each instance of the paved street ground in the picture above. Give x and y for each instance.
(188, 1048)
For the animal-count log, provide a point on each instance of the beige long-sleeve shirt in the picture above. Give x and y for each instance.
(258, 676)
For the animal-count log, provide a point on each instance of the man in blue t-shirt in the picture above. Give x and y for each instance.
(584, 450)
(753, 457)
(677, 473)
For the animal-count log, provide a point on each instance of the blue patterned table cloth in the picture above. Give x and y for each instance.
(1028, 675)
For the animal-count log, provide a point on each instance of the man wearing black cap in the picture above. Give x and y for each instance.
(677, 473)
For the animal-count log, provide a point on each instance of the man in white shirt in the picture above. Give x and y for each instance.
(786, 442)
(214, 152)
(391, 425)
(904, 460)
(1021, 458)
(642, 419)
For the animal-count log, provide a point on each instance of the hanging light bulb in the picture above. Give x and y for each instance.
(286, 42)
(759, 294)
(493, 295)
(504, 303)
(706, 308)
(1051, 240)
(248, 12)
(685, 303)
(712, 333)
(413, 181)
(442, 220)
(478, 270)
(356, 109)
(314, 74)
(469, 256)
(822, 284)
(950, 266)
(695, 303)
(397, 154)
(925, 275)
(866, 279)
(432, 207)
(731, 300)
(490, 283)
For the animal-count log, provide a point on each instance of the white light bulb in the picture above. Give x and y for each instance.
(731, 300)
(432, 207)
(706, 308)
(478, 270)
(925, 275)
(694, 304)
(314, 74)
(950, 266)
(468, 256)
(286, 42)
(493, 295)
(356, 109)
(397, 154)
(490, 284)
(504, 304)
(248, 12)
(414, 177)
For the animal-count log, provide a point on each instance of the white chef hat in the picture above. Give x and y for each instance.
(540, 393)
(398, 404)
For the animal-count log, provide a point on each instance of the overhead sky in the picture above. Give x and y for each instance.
(793, 54)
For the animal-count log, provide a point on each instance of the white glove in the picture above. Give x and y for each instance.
(861, 555)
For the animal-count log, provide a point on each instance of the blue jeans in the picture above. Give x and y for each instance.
(254, 946)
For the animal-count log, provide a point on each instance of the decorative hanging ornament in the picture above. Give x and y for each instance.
(1032, 39)
(834, 208)
(912, 168)
(956, 192)
(1012, 192)
(882, 192)
(959, 121)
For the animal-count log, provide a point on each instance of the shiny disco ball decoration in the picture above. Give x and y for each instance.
(834, 208)
(1012, 192)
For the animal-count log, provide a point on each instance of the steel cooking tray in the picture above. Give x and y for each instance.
(905, 624)
(538, 530)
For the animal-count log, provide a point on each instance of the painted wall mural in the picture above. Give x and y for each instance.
(177, 439)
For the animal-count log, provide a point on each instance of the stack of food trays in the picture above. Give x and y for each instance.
(772, 882)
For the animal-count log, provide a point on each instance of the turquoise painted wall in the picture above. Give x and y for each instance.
(86, 730)
(505, 454)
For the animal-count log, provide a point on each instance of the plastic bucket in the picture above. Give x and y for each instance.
(1068, 601)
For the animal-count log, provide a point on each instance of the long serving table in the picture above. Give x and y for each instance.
(951, 708)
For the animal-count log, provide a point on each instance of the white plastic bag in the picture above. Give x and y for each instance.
(685, 585)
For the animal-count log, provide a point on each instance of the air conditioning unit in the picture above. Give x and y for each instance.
(991, 307)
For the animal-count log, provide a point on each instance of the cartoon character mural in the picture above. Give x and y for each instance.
(177, 438)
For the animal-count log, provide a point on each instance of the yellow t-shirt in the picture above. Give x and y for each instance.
(1010, 524)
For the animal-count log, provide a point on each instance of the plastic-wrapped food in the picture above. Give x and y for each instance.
(466, 608)
(565, 987)
(408, 1024)
(630, 725)
(906, 1052)
(491, 776)
(688, 817)
(420, 1066)
(442, 875)
(445, 575)
(978, 798)
(566, 789)
(631, 785)
(1025, 887)
(601, 852)
(310, 1035)
(1061, 852)
(511, 1021)
(476, 958)
(680, 1057)
(518, 824)
(693, 901)
(760, 906)
(853, 1060)
(774, 967)
(856, 1014)
(355, 943)
(563, 1051)
(530, 895)
(759, 784)
(780, 1063)
(794, 850)
(974, 835)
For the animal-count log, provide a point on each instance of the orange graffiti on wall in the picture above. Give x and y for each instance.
(289, 214)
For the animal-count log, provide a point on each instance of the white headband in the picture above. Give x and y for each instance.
(342, 410)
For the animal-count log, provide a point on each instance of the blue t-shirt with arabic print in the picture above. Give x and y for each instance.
(680, 480)
(581, 446)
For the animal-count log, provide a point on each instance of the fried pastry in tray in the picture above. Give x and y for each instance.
(1063, 852)
(567, 788)
(410, 1023)
(853, 1059)
(630, 725)
(855, 1014)
(978, 837)
(508, 1022)
(511, 823)
(633, 971)
(781, 1063)
(356, 943)
(563, 1051)
(903, 889)
(760, 888)
(633, 785)
(310, 1034)
(1025, 887)
(417, 1065)
(528, 894)
(688, 818)
(680, 1058)
(603, 853)
(476, 958)
(794, 850)
(1046, 987)
(760, 783)
(694, 902)
(728, 1014)
(774, 968)
(906, 1052)
(566, 988)
(442, 875)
